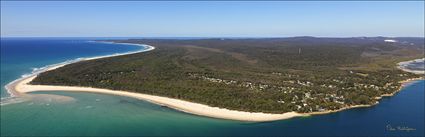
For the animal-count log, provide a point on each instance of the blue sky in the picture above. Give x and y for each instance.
(211, 19)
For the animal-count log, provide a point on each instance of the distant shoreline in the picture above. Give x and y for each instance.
(58, 65)
(21, 87)
(402, 66)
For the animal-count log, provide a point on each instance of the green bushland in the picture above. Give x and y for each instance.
(302, 74)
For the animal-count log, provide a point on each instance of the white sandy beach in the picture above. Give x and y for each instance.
(22, 86)
(185, 106)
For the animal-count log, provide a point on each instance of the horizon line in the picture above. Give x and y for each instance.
(208, 36)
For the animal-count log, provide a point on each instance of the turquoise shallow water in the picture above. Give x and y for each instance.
(74, 113)
(97, 114)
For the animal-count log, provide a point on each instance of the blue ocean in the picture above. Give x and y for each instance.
(89, 114)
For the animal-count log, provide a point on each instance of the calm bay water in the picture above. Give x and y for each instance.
(97, 114)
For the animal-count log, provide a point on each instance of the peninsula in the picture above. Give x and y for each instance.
(245, 79)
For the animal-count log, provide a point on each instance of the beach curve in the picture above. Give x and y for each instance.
(185, 106)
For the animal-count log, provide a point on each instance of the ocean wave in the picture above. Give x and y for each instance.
(10, 100)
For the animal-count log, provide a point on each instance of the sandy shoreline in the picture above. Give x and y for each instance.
(21, 86)
(10, 87)
(185, 106)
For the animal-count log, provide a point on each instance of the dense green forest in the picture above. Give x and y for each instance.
(274, 75)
